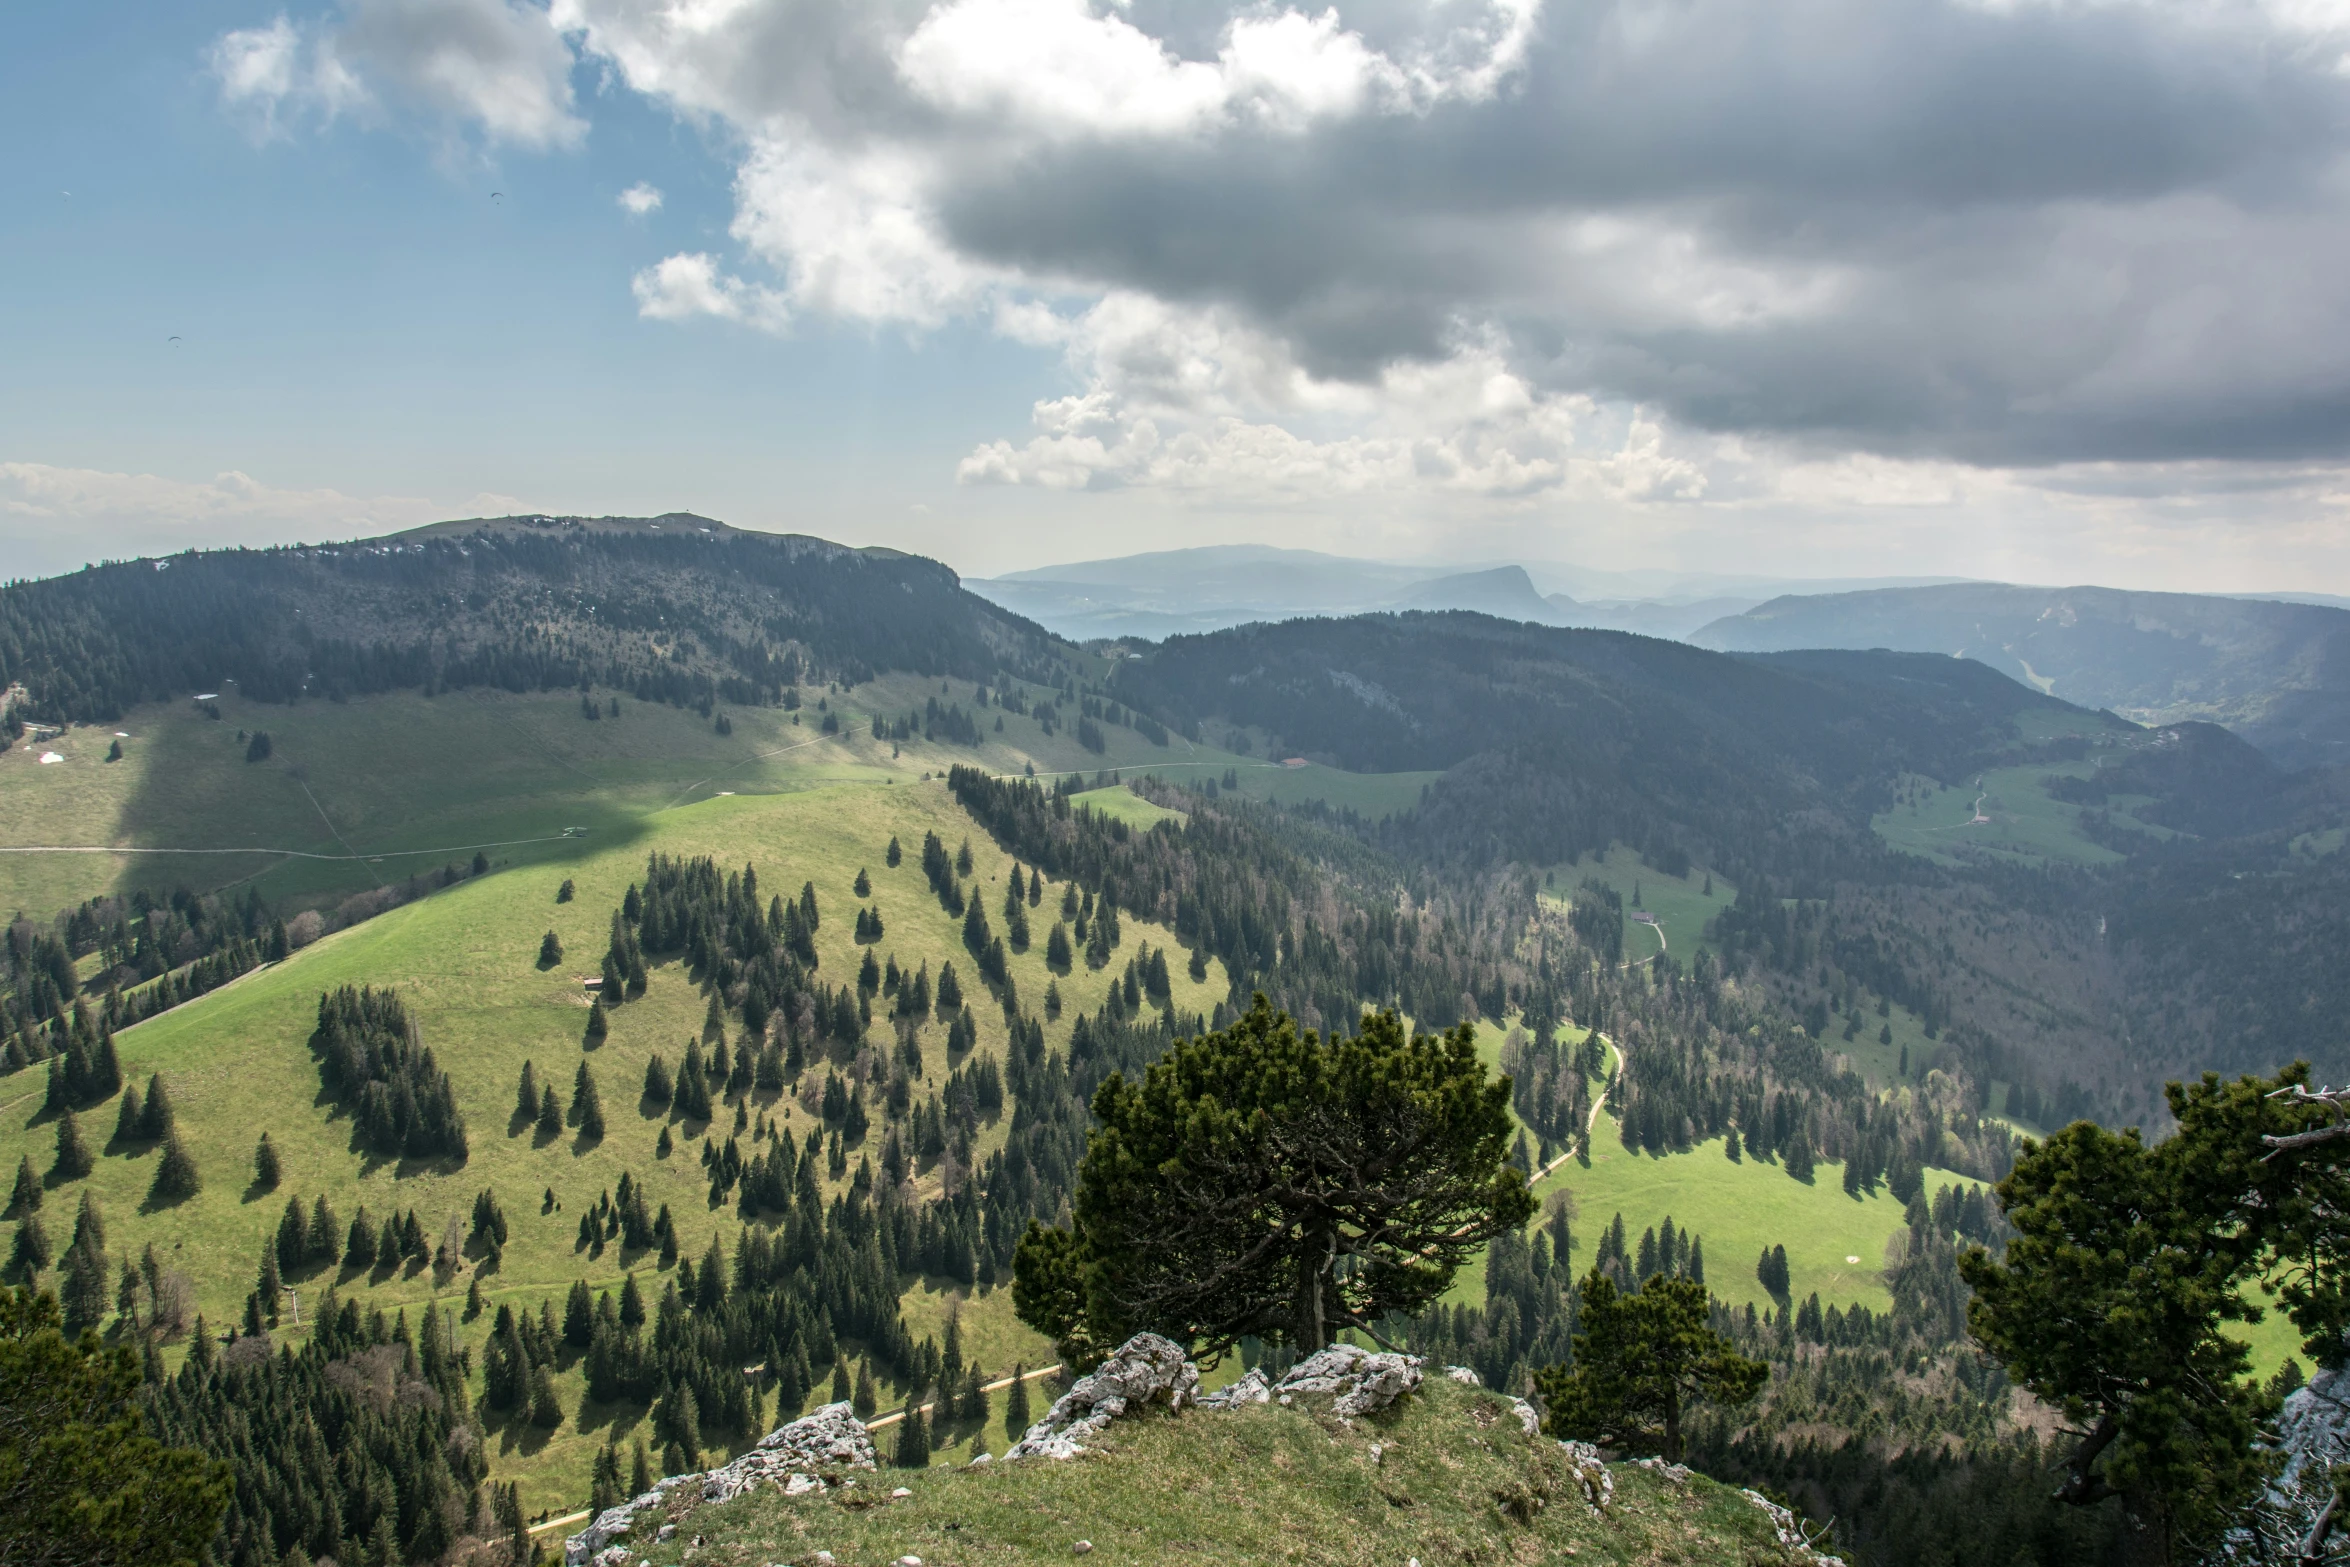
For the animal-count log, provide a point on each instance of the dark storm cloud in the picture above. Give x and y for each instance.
(2008, 235)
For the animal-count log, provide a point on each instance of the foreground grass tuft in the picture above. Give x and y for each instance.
(1456, 1481)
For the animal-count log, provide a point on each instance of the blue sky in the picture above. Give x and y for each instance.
(2042, 291)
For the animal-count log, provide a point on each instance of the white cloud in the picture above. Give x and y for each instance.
(1496, 255)
(498, 67)
(270, 74)
(686, 286)
(640, 199)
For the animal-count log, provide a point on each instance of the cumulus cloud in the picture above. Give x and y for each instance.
(640, 199)
(496, 67)
(684, 286)
(1508, 249)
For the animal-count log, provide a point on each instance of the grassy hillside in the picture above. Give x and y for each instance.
(1432, 1479)
(237, 1065)
(414, 780)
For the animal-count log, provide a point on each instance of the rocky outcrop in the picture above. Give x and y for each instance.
(1146, 1370)
(596, 1543)
(1790, 1533)
(1358, 1381)
(1254, 1387)
(813, 1453)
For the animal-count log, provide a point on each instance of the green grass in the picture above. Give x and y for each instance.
(1738, 1209)
(1123, 804)
(1681, 904)
(1262, 1484)
(384, 786)
(238, 1064)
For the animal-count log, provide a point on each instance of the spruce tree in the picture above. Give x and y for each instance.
(550, 950)
(157, 1119)
(526, 1095)
(586, 1106)
(176, 1177)
(599, 1023)
(864, 883)
(604, 1488)
(913, 1451)
(265, 1167)
(1016, 1403)
(73, 1155)
(127, 1118)
(640, 1470)
(840, 1382)
(864, 1401)
(25, 1197)
(550, 1121)
(293, 1237)
(360, 1249)
(30, 1252)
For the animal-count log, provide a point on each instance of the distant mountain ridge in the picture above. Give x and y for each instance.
(2276, 673)
(1205, 588)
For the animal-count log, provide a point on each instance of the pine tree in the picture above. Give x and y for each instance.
(265, 1166)
(640, 1470)
(864, 883)
(599, 1022)
(73, 1155)
(864, 1401)
(176, 1177)
(550, 950)
(550, 1121)
(1640, 1361)
(526, 1095)
(840, 1382)
(127, 1118)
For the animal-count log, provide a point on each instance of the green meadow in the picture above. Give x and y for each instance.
(238, 1064)
(1682, 905)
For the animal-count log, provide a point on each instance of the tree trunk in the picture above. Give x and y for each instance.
(1314, 1261)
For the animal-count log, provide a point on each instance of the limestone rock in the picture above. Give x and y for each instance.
(1146, 1369)
(1526, 1416)
(1790, 1534)
(1358, 1380)
(1599, 1487)
(830, 1438)
(1464, 1376)
(592, 1544)
(1253, 1388)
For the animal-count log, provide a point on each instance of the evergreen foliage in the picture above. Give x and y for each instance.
(1640, 1360)
(82, 1478)
(400, 1102)
(1222, 1191)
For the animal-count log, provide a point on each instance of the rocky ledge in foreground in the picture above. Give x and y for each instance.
(1349, 1457)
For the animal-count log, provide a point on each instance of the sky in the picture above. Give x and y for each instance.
(2045, 290)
